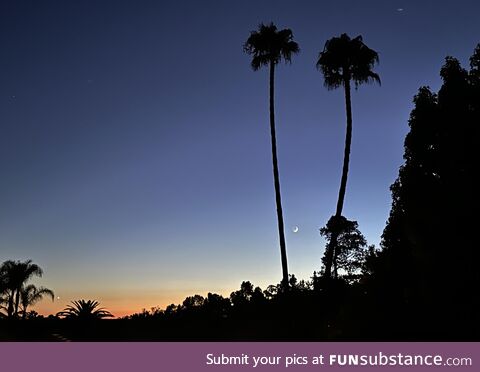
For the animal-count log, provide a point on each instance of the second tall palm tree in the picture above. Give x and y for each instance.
(342, 60)
(268, 46)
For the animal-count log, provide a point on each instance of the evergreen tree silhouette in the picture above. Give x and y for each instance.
(428, 267)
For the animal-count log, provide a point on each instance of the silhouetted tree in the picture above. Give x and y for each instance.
(370, 259)
(172, 309)
(217, 306)
(344, 60)
(30, 295)
(84, 310)
(429, 233)
(258, 298)
(15, 274)
(271, 291)
(242, 296)
(268, 47)
(193, 302)
(32, 314)
(351, 247)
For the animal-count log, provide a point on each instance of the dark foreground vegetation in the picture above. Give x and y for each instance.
(333, 311)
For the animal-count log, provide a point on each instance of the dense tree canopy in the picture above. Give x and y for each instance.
(430, 257)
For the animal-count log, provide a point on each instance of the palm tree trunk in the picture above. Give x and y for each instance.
(24, 309)
(17, 301)
(10, 304)
(346, 155)
(276, 177)
(331, 253)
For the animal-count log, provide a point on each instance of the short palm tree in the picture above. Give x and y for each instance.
(15, 274)
(85, 310)
(269, 46)
(30, 295)
(344, 60)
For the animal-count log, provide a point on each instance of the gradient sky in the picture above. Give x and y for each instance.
(135, 154)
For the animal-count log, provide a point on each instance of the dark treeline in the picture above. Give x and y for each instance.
(421, 284)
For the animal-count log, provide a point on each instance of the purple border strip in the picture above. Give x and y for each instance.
(192, 356)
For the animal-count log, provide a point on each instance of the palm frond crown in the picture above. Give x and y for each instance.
(268, 45)
(16, 273)
(344, 59)
(82, 309)
(30, 294)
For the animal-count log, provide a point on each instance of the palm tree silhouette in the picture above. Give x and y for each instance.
(30, 295)
(3, 293)
(268, 47)
(85, 310)
(344, 59)
(15, 274)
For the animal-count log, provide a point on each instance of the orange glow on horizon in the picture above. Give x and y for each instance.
(121, 306)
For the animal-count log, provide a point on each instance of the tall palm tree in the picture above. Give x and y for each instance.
(30, 295)
(85, 310)
(268, 46)
(342, 60)
(16, 274)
